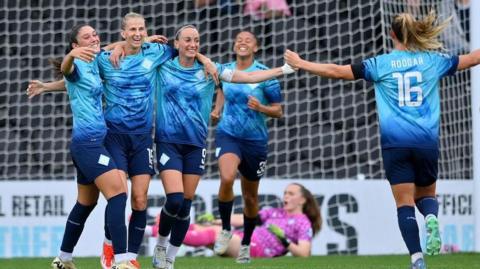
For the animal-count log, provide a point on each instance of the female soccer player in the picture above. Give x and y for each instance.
(242, 140)
(408, 103)
(279, 231)
(96, 170)
(184, 101)
(129, 116)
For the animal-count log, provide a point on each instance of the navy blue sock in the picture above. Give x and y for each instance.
(116, 222)
(409, 228)
(225, 209)
(427, 205)
(181, 225)
(74, 227)
(136, 229)
(105, 226)
(248, 227)
(169, 212)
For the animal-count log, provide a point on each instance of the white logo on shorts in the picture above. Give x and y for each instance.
(217, 152)
(147, 64)
(103, 160)
(164, 159)
(261, 168)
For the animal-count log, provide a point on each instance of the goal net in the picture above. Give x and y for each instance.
(329, 129)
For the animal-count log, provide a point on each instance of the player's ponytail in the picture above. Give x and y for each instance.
(419, 34)
(72, 38)
(311, 209)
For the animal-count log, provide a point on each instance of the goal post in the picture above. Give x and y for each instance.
(475, 88)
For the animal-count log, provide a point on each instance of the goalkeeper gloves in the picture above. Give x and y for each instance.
(205, 218)
(280, 234)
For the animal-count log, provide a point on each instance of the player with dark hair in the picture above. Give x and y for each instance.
(96, 169)
(242, 140)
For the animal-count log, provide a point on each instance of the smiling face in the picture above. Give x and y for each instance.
(188, 43)
(87, 37)
(293, 199)
(245, 44)
(134, 32)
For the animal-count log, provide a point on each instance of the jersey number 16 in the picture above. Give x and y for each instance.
(405, 90)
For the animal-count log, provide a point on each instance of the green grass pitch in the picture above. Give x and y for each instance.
(450, 261)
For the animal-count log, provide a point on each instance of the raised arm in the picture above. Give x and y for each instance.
(83, 53)
(36, 87)
(469, 60)
(210, 68)
(324, 70)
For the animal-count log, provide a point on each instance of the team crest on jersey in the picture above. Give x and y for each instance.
(200, 74)
(147, 64)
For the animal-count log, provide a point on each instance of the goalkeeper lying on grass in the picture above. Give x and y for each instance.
(279, 230)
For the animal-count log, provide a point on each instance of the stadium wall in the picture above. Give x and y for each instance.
(359, 217)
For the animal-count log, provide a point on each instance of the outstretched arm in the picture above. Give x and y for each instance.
(324, 70)
(36, 87)
(469, 60)
(237, 76)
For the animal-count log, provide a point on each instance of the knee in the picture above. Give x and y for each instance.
(250, 199)
(139, 201)
(174, 202)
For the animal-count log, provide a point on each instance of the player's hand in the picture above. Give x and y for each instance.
(35, 87)
(205, 218)
(157, 39)
(215, 116)
(254, 104)
(86, 54)
(211, 69)
(117, 54)
(277, 231)
(292, 59)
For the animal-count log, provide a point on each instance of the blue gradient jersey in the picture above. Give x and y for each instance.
(129, 89)
(85, 89)
(237, 119)
(184, 103)
(407, 95)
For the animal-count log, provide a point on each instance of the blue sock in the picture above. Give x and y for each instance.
(427, 205)
(105, 226)
(409, 228)
(74, 227)
(248, 227)
(225, 209)
(169, 212)
(116, 222)
(136, 229)
(181, 225)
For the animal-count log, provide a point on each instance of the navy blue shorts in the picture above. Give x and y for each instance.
(91, 161)
(252, 154)
(187, 159)
(133, 153)
(411, 165)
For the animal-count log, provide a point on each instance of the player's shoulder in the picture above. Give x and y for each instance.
(260, 66)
